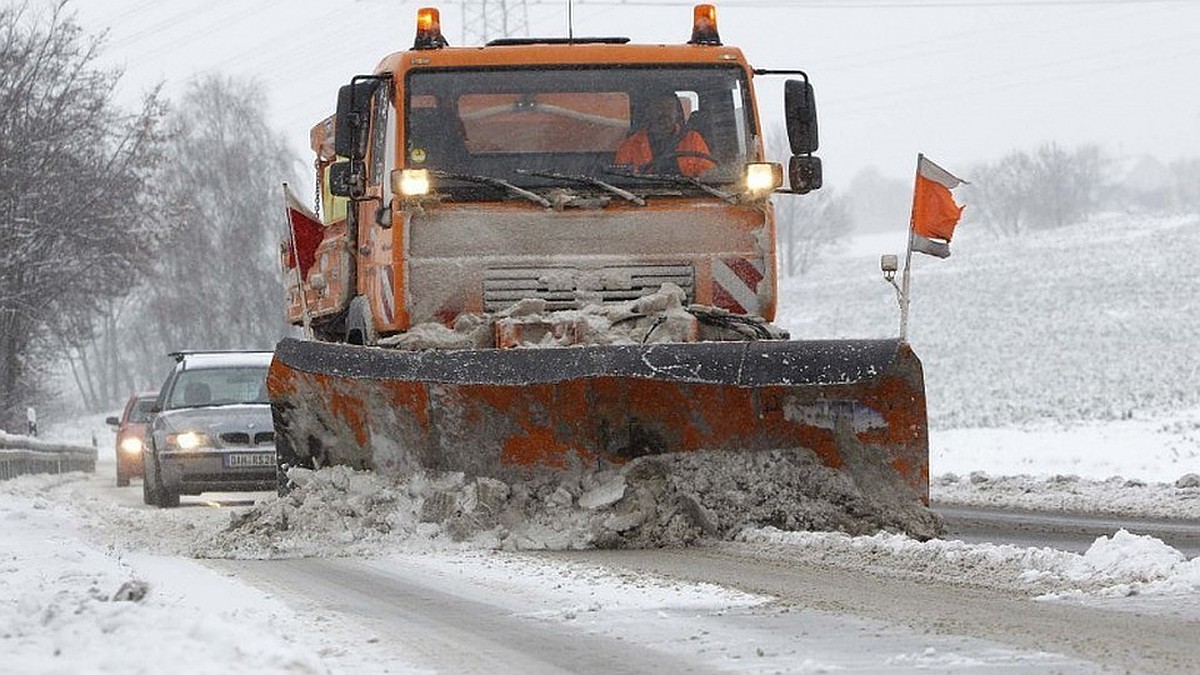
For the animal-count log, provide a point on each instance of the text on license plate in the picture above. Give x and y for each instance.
(239, 460)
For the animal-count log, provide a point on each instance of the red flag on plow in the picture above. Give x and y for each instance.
(934, 212)
(305, 232)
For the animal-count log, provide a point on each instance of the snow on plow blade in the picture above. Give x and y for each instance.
(858, 404)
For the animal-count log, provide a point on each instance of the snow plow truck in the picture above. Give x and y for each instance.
(492, 292)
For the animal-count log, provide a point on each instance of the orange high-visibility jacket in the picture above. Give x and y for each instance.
(693, 159)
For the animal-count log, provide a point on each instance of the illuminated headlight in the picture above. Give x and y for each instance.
(188, 440)
(131, 445)
(410, 182)
(763, 176)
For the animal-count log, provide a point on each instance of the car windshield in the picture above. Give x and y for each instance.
(141, 410)
(524, 124)
(218, 386)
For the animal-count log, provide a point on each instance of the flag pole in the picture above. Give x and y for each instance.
(904, 282)
(306, 317)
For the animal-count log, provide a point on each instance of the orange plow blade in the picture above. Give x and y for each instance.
(859, 405)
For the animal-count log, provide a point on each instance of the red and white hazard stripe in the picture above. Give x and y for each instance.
(387, 294)
(735, 284)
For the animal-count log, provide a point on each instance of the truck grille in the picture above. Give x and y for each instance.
(566, 287)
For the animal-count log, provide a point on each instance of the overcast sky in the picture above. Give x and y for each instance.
(961, 80)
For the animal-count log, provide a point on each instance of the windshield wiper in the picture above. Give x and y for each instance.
(497, 182)
(586, 180)
(677, 180)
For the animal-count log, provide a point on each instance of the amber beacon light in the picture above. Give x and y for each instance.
(429, 29)
(704, 26)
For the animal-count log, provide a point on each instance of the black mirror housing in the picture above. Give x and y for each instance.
(804, 172)
(345, 180)
(112, 421)
(352, 121)
(800, 110)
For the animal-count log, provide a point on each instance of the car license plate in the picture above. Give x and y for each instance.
(245, 460)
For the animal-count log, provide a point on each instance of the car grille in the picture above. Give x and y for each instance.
(243, 438)
(565, 287)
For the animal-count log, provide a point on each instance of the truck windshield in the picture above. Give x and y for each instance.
(525, 124)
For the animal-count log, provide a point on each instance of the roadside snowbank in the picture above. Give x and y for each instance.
(68, 606)
(1118, 566)
(1114, 496)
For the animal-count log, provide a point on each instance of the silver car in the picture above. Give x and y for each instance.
(212, 429)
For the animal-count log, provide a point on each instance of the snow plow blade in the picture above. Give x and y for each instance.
(859, 405)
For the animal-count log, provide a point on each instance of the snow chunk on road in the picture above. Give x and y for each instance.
(657, 500)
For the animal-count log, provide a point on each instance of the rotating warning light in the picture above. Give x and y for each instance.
(704, 26)
(429, 29)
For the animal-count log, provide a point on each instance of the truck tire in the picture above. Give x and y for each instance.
(122, 478)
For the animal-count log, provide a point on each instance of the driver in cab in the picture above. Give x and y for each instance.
(663, 144)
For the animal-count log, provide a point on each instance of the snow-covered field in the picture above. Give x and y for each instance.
(1060, 375)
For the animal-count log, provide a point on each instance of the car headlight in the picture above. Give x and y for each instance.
(131, 445)
(188, 440)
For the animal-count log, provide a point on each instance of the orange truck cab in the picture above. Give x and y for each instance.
(460, 180)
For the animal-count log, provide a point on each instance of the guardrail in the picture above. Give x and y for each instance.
(20, 455)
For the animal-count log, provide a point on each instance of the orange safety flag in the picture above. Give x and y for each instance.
(306, 232)
(934, 213)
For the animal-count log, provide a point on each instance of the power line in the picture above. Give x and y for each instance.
(867, 4)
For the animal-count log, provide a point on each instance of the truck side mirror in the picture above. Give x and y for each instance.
(347, 178)
(353, 119)
(800, 110)
(112, 421)
(804, 171)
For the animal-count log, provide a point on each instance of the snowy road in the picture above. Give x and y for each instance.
(527, 614)
(798, 619)
(1063, 531)
(769, 602)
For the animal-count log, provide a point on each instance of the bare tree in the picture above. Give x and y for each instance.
(1065, 185)
(807, 225)
(72, 182)
(1049, 188)
(217, 283)
(997, 194)
(1185, 189)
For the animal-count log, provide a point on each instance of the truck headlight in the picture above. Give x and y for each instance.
(763, 176)
(410, 182)
(131, 445)
(188, 440)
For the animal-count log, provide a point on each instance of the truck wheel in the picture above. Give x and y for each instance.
(122, 479)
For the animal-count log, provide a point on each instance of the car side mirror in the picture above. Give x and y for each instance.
(112, 421)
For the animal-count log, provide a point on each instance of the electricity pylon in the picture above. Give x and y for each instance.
(485, 20)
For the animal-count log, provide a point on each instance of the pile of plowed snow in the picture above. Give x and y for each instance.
(653, 501)
(1118, 566)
